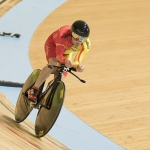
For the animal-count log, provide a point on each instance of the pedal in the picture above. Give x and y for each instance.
(32, 103)
(37, 107)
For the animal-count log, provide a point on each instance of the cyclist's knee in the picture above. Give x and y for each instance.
(53, 61)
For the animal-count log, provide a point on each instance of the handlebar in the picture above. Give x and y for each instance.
(65, 69)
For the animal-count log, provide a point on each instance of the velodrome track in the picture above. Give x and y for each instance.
(115, 100)
(24, 18)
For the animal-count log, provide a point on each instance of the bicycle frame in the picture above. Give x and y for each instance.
(53, 84)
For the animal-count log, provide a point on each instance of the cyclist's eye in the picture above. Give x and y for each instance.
(76, 39)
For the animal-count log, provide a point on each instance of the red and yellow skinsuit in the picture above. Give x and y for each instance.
(59, 45)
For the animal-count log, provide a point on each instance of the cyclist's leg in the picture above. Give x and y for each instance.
(46, 71)
(44, 74)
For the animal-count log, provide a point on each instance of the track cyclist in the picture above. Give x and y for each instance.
(59, 49)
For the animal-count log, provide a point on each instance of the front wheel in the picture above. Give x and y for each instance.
(46, 117)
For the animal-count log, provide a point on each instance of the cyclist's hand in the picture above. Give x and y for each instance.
(80, 68)
(69, 63)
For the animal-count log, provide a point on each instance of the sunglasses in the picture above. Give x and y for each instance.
(78, 38)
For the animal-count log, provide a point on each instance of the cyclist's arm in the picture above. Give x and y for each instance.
(59, 53)
(82, 53)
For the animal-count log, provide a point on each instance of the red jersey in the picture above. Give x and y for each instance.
(64, 49)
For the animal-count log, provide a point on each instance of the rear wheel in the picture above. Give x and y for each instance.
(23, 109)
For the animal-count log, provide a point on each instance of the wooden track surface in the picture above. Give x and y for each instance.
(21, 136)
(116, 98)
(6, 5)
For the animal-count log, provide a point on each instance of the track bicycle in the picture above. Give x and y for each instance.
(49, 100)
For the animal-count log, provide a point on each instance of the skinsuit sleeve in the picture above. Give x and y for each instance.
(85, 47)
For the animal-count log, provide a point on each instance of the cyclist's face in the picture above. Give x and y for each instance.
(77, 40)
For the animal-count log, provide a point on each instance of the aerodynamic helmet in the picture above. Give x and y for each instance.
(80, 28)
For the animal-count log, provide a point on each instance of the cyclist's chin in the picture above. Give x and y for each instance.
(76, 44)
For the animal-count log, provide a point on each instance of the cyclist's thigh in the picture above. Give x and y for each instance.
(53, 61)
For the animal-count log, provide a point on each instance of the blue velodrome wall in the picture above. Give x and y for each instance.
(15, 66)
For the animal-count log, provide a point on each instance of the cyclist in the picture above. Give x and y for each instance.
(59, 48)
